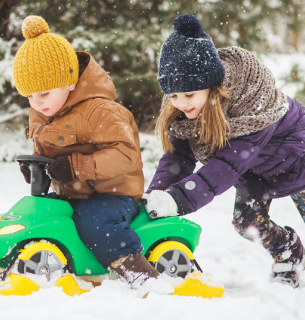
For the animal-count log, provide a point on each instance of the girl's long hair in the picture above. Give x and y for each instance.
(211, 122)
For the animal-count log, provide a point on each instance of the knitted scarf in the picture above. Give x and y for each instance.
(254, 103)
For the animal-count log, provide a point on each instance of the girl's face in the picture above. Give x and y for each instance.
(51, 101)
(191, 103)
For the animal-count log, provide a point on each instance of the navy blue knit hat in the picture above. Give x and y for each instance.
(189, 60)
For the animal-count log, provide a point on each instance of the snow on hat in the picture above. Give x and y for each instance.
(45, 61)
(189, 60)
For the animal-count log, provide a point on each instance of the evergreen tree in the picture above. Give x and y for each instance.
(9, 101)
(294, 11)
(239, 22)
(125, 38)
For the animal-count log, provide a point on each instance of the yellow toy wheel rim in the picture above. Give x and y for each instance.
(172, 258)
(163, 247)
(28, 252)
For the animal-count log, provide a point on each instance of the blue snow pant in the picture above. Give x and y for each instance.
(103, 224)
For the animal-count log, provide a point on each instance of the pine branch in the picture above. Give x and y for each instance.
(10, 116)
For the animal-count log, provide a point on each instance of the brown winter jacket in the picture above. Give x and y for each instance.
(99, 134)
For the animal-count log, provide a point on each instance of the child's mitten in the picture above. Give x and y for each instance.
(61, 170)
(25, 170)
(159, 204)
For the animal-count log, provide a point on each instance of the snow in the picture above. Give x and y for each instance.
(13, 145)
(241, 266)
(286, 63)
(6, 64)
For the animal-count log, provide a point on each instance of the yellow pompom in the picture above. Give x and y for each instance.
(45, 60)
(33, 26)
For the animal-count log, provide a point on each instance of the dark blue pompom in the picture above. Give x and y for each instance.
(188, 26)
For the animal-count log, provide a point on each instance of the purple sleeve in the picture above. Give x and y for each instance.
(174, 167)
(220, 173)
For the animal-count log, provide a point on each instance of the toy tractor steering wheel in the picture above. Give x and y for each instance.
(40, 181)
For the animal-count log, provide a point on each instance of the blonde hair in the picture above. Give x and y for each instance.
(211, 122)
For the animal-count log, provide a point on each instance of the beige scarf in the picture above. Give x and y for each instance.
(254, 104)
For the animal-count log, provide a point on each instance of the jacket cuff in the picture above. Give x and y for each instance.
(83, 166)
(149, 190)
(184, 206)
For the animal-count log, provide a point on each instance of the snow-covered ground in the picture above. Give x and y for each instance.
(242, 266)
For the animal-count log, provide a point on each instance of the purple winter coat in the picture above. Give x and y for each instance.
(264, 165)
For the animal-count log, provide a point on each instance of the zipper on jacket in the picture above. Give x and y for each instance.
(37, 140)
(91, 187)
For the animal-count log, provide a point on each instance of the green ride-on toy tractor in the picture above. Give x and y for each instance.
(38, 238)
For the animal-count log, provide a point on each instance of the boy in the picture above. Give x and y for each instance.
(74, 119)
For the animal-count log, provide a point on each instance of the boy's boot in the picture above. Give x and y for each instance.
(135, 269)
(289, 260)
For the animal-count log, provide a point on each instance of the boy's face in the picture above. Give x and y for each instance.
(191, 103)
(51, 101)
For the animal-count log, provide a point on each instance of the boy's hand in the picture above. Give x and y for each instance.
(159, 204)
(61, 170)
(25, 170)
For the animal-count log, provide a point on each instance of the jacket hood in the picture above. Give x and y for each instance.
(94, 82)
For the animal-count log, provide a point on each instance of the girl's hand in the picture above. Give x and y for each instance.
(159, 204)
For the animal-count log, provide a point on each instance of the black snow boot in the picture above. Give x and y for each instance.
(135, 269)
(289, 260)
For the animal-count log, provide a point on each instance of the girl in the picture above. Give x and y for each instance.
(222, 108)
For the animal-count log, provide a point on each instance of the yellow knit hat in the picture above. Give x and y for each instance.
(45, 61)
